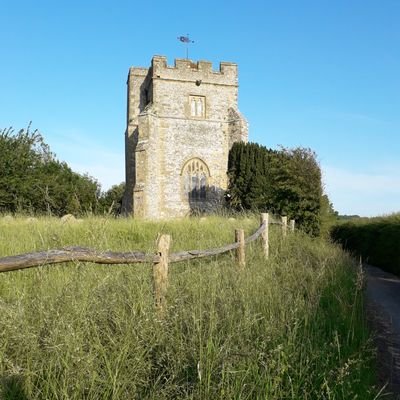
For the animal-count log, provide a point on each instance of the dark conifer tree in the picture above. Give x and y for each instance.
(284, 182)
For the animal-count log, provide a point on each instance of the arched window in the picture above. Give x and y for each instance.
(195, 176)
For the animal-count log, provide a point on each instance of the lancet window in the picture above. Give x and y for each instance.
(197, 106)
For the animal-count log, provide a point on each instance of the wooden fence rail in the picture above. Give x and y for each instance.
(160, 259)
(82, 254)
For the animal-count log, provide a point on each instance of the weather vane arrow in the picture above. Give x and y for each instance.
(186, 40)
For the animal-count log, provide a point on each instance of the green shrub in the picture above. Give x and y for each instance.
(376, 240)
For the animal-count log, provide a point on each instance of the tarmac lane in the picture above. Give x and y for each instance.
(382, 296)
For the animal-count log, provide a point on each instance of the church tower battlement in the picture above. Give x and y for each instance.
(181, 122)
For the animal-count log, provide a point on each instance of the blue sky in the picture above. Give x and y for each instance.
(319, 74)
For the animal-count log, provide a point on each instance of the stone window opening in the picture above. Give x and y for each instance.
(195, 177)
(197, 106)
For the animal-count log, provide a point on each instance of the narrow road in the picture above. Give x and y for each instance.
(383, 310)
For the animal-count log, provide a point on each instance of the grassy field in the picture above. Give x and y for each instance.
(289, 328)
(376, 240)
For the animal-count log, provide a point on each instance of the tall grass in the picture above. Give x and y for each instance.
(376, 240)
(288, 328)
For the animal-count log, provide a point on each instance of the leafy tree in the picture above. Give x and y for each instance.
(20, 155)
(328, 215)
(285, 182)
(111, 201)
(33, 181)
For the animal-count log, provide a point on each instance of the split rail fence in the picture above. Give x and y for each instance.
(160, 260)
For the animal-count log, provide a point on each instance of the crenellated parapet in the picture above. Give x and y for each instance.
(188, 70)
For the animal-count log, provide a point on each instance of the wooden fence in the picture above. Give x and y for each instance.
(160, 260)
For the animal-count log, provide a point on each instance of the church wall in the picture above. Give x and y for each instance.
(200, 139)
(183, 137)
(168, 135)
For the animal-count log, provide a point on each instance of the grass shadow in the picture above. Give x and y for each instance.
(12, 388)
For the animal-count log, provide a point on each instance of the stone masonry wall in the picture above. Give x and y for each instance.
(162, 135)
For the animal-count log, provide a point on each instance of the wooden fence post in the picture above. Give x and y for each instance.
(292, 223)
(160, 272)
(265, 234)
(284, 226)
(240, 251)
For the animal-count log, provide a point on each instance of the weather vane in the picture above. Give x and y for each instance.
(186, 39)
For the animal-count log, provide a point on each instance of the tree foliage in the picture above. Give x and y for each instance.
(328, 216)
(111, 201)
(285, 182)
(32, 180)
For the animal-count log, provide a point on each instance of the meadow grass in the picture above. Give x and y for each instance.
(291, 327)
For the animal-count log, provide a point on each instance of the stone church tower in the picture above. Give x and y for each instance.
(181, 123)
